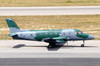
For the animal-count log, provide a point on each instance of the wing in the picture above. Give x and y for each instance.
(56, 40)
(60, 39)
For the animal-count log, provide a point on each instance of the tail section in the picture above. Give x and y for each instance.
(12, 25)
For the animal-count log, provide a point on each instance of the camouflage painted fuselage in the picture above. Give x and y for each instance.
(59, 35)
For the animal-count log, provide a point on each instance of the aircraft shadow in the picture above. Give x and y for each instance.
(51, 49)
(23, 45)
(19, 46)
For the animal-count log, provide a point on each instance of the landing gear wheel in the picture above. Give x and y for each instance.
(82, 45)
(51, 45)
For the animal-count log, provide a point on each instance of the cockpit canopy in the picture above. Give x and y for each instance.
(79, 32)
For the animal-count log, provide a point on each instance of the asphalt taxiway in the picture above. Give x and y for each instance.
(61, 10)
(50, 62)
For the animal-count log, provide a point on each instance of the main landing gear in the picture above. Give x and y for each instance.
(51, 45)
(82, 45)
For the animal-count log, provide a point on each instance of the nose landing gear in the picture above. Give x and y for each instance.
(82, 45)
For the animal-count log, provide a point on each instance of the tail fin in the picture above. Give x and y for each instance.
(12, 25)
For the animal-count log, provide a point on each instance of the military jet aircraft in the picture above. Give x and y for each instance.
(50, 36)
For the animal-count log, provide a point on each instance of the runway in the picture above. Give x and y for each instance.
(33, 49)
(65, 10)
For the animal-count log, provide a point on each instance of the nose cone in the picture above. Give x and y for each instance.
(91, 37)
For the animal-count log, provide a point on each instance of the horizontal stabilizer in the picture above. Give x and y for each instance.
(12, 34)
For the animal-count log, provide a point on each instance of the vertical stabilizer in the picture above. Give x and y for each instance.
(12, 25)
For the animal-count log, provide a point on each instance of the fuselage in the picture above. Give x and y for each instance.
(39, 35)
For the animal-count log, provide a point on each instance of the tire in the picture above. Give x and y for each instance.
(51, 45)
(82, 45)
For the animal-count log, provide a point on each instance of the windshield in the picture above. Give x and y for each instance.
(80, 32)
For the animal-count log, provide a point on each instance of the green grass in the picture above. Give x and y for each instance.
(87, 23)
(27, 3)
